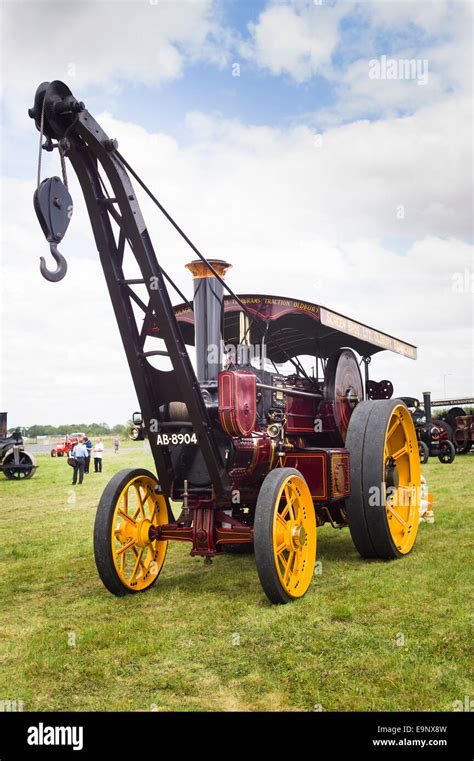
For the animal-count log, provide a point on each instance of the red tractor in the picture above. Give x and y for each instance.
(64, 446)
(272, 433)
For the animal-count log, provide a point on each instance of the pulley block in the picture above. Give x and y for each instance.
(53, 206)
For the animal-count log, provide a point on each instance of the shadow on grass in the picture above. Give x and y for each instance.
(337, 545)
(230, 576)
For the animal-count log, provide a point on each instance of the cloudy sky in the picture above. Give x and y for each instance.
(286, 137)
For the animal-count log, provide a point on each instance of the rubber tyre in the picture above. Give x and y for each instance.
(53, 453)
(366, 436)
(103, 528)
(424, 452)
(263, 535)
(355, 503)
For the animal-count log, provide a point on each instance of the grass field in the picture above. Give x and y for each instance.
(367, 636)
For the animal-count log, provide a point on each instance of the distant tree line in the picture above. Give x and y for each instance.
(92, 429)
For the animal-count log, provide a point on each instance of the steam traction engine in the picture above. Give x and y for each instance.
(435, 436)
(16, 463)
(255, 450)
(460, 423)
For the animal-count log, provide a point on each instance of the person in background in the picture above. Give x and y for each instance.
(79, 453)
(88, 445)
(98, 455)
(116, 444)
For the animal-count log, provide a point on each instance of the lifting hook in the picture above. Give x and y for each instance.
(53, 206)
(54, 275)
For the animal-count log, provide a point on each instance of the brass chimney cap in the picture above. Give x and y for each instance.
(199, 269)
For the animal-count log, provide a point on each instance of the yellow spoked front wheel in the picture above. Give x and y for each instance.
(285, 535)
(127, 560)
(383, 508)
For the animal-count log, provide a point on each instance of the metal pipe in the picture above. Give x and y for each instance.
(208, 317)
(427, 405)
(289, 391)
(175, 424)
(366, 361)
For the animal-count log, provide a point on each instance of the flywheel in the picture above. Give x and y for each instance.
(343, 387)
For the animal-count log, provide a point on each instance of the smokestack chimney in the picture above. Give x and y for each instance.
(208, 317)
(427, 405)
(3, 424)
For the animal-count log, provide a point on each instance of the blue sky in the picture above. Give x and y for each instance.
(258, 96)
(254, 97)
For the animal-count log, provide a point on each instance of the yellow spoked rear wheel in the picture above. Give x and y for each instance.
(383, 508)
(127, 560)
(285, 535)
(402, 479)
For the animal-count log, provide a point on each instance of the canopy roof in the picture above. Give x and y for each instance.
(295, 327)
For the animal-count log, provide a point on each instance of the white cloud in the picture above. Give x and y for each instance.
(61, 353)
(298, 41)
(361, 173)
(294, 219)
(429, 15)
(443, 57)
(86, 43)
(301, 40)
(312, 219)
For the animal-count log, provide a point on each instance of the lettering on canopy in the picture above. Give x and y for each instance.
(274, 306)
(364, 333)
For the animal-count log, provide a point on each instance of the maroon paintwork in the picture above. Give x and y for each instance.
(292, 328)
(237, 402)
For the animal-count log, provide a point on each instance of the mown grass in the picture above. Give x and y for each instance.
(205, 637)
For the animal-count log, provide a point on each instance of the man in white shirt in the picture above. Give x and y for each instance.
(79, 453)
(98, 455)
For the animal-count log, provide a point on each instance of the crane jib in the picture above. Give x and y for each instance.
(117, 222)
